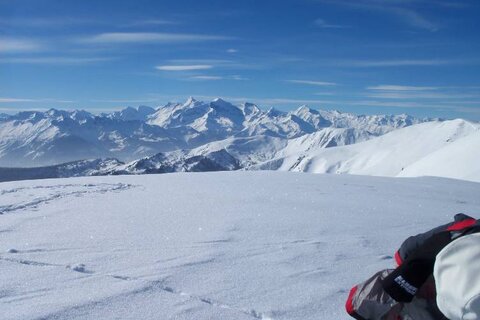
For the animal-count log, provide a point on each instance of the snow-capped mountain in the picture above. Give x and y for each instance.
(131, 114)
(176, 161)
(375, 124)
(447, 149)
(179, 161)
(45, 138)
(35, 138)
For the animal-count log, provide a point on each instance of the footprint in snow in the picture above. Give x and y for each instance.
(79, 268)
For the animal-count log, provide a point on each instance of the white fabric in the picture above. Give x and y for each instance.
(457, 278)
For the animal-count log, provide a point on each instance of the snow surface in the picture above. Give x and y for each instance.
(230, 245)
(447, 149)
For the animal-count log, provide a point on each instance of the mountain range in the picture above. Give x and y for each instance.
(33, 138)
(219, 136)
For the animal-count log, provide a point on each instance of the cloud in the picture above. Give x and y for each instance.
(218, 63)
(207, 78)
(14, 45)
(268, 101)
(386, 87)
(16, 100)
(401, 63)
(413, 104)
(56, 60)
(148, 37)
(395, 104)
(184, 67)
(238, 78)
(140, 100)
(323, 24)
(231, 50)
(414, 19)
(10, 100)
(418, 95)
(403, 10)
(415, 92)
(313, 83)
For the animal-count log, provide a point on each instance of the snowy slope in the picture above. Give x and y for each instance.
(460, 160)
(447, 149)
(238, 245)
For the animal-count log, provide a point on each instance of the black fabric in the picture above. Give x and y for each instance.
(403, 283)
(356, 316)
(411, 244)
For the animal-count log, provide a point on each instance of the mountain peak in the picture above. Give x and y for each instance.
(190, 101)
(303, 109)
(219, 100)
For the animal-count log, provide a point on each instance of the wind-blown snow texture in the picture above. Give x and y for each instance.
(232, 245)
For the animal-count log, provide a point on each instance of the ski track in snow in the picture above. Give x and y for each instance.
(54, 192)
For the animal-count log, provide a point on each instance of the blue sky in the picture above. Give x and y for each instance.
(420, 57)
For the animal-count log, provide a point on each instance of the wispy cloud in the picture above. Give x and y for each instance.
(207, 78)
(403, 10)
(451, 105)
(149, 37)
(213, 77)
(239, 78)
(324, 24)
(55, 22)
(139, 100)
(10, 100)
(17, 100)
(15, 45)
(268, 101)
(388, 87)
(313, 83)
(218, 63)
(418, 95)
(395, 104)
(416, 92)
(402, 63)
(184, 67)
(231, 50)
(56, 60)
(414, 19)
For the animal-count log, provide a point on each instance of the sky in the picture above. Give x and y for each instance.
(420, 57)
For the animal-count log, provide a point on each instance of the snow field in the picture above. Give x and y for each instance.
(231, 245)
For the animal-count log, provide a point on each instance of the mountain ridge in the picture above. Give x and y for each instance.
(34, 138)
(437, 148)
